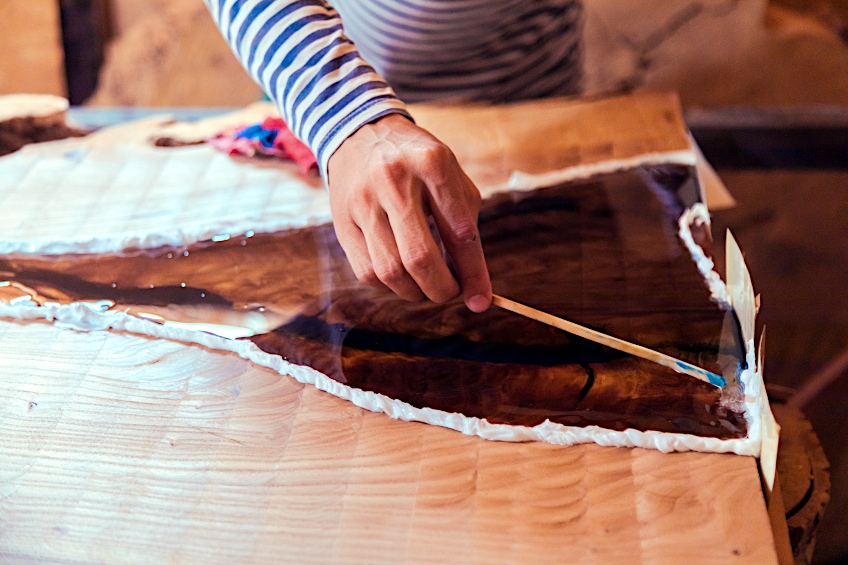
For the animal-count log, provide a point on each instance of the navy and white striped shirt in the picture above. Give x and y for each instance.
(329, 80)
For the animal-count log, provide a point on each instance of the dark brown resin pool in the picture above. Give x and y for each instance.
(603, 253)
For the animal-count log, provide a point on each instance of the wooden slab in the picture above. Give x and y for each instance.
(493, 141)
(117, 447)
(529, 144)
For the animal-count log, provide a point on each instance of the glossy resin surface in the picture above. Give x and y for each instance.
(604, 253)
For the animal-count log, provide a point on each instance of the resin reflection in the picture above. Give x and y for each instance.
(603, 253)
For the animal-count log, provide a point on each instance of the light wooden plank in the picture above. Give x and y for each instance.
(539, 136)
(121, 448)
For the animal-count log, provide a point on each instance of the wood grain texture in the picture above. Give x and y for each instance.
(609, 341)
(539, 136)
(119, 448)
(804, 478)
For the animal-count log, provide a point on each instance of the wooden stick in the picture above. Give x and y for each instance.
(613, 342)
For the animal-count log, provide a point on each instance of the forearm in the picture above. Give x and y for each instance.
(298, 52)
(387, 177)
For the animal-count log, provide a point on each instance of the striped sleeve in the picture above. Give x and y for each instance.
(298, 52)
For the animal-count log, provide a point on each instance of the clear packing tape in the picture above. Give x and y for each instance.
(745, 304)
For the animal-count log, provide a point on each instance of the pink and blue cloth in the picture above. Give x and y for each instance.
(270, 138)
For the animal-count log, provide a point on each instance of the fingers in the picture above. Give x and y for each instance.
(388, 272)
(396, 249)
(421, 256)
(384, 180)
(353, 243)
(456, 220)
(386, 261)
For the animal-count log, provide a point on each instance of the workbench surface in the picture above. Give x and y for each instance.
(123, 448)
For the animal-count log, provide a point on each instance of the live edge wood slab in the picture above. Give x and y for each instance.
(120, 448)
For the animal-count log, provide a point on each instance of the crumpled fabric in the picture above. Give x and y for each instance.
(270, 138)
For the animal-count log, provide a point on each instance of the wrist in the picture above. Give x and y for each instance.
(391, 119)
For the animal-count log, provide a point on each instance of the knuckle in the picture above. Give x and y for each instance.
(464, 232)
(392, 170)
(387, 165)
(367, 275)
(361, 196)
(434, 155)
(388, 272)
(418, 259)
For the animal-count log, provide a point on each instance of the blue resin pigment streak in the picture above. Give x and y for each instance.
(717, 380)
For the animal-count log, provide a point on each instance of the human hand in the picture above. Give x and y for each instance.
(384, 181)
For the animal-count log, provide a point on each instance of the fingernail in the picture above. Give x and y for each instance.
(478, 303)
